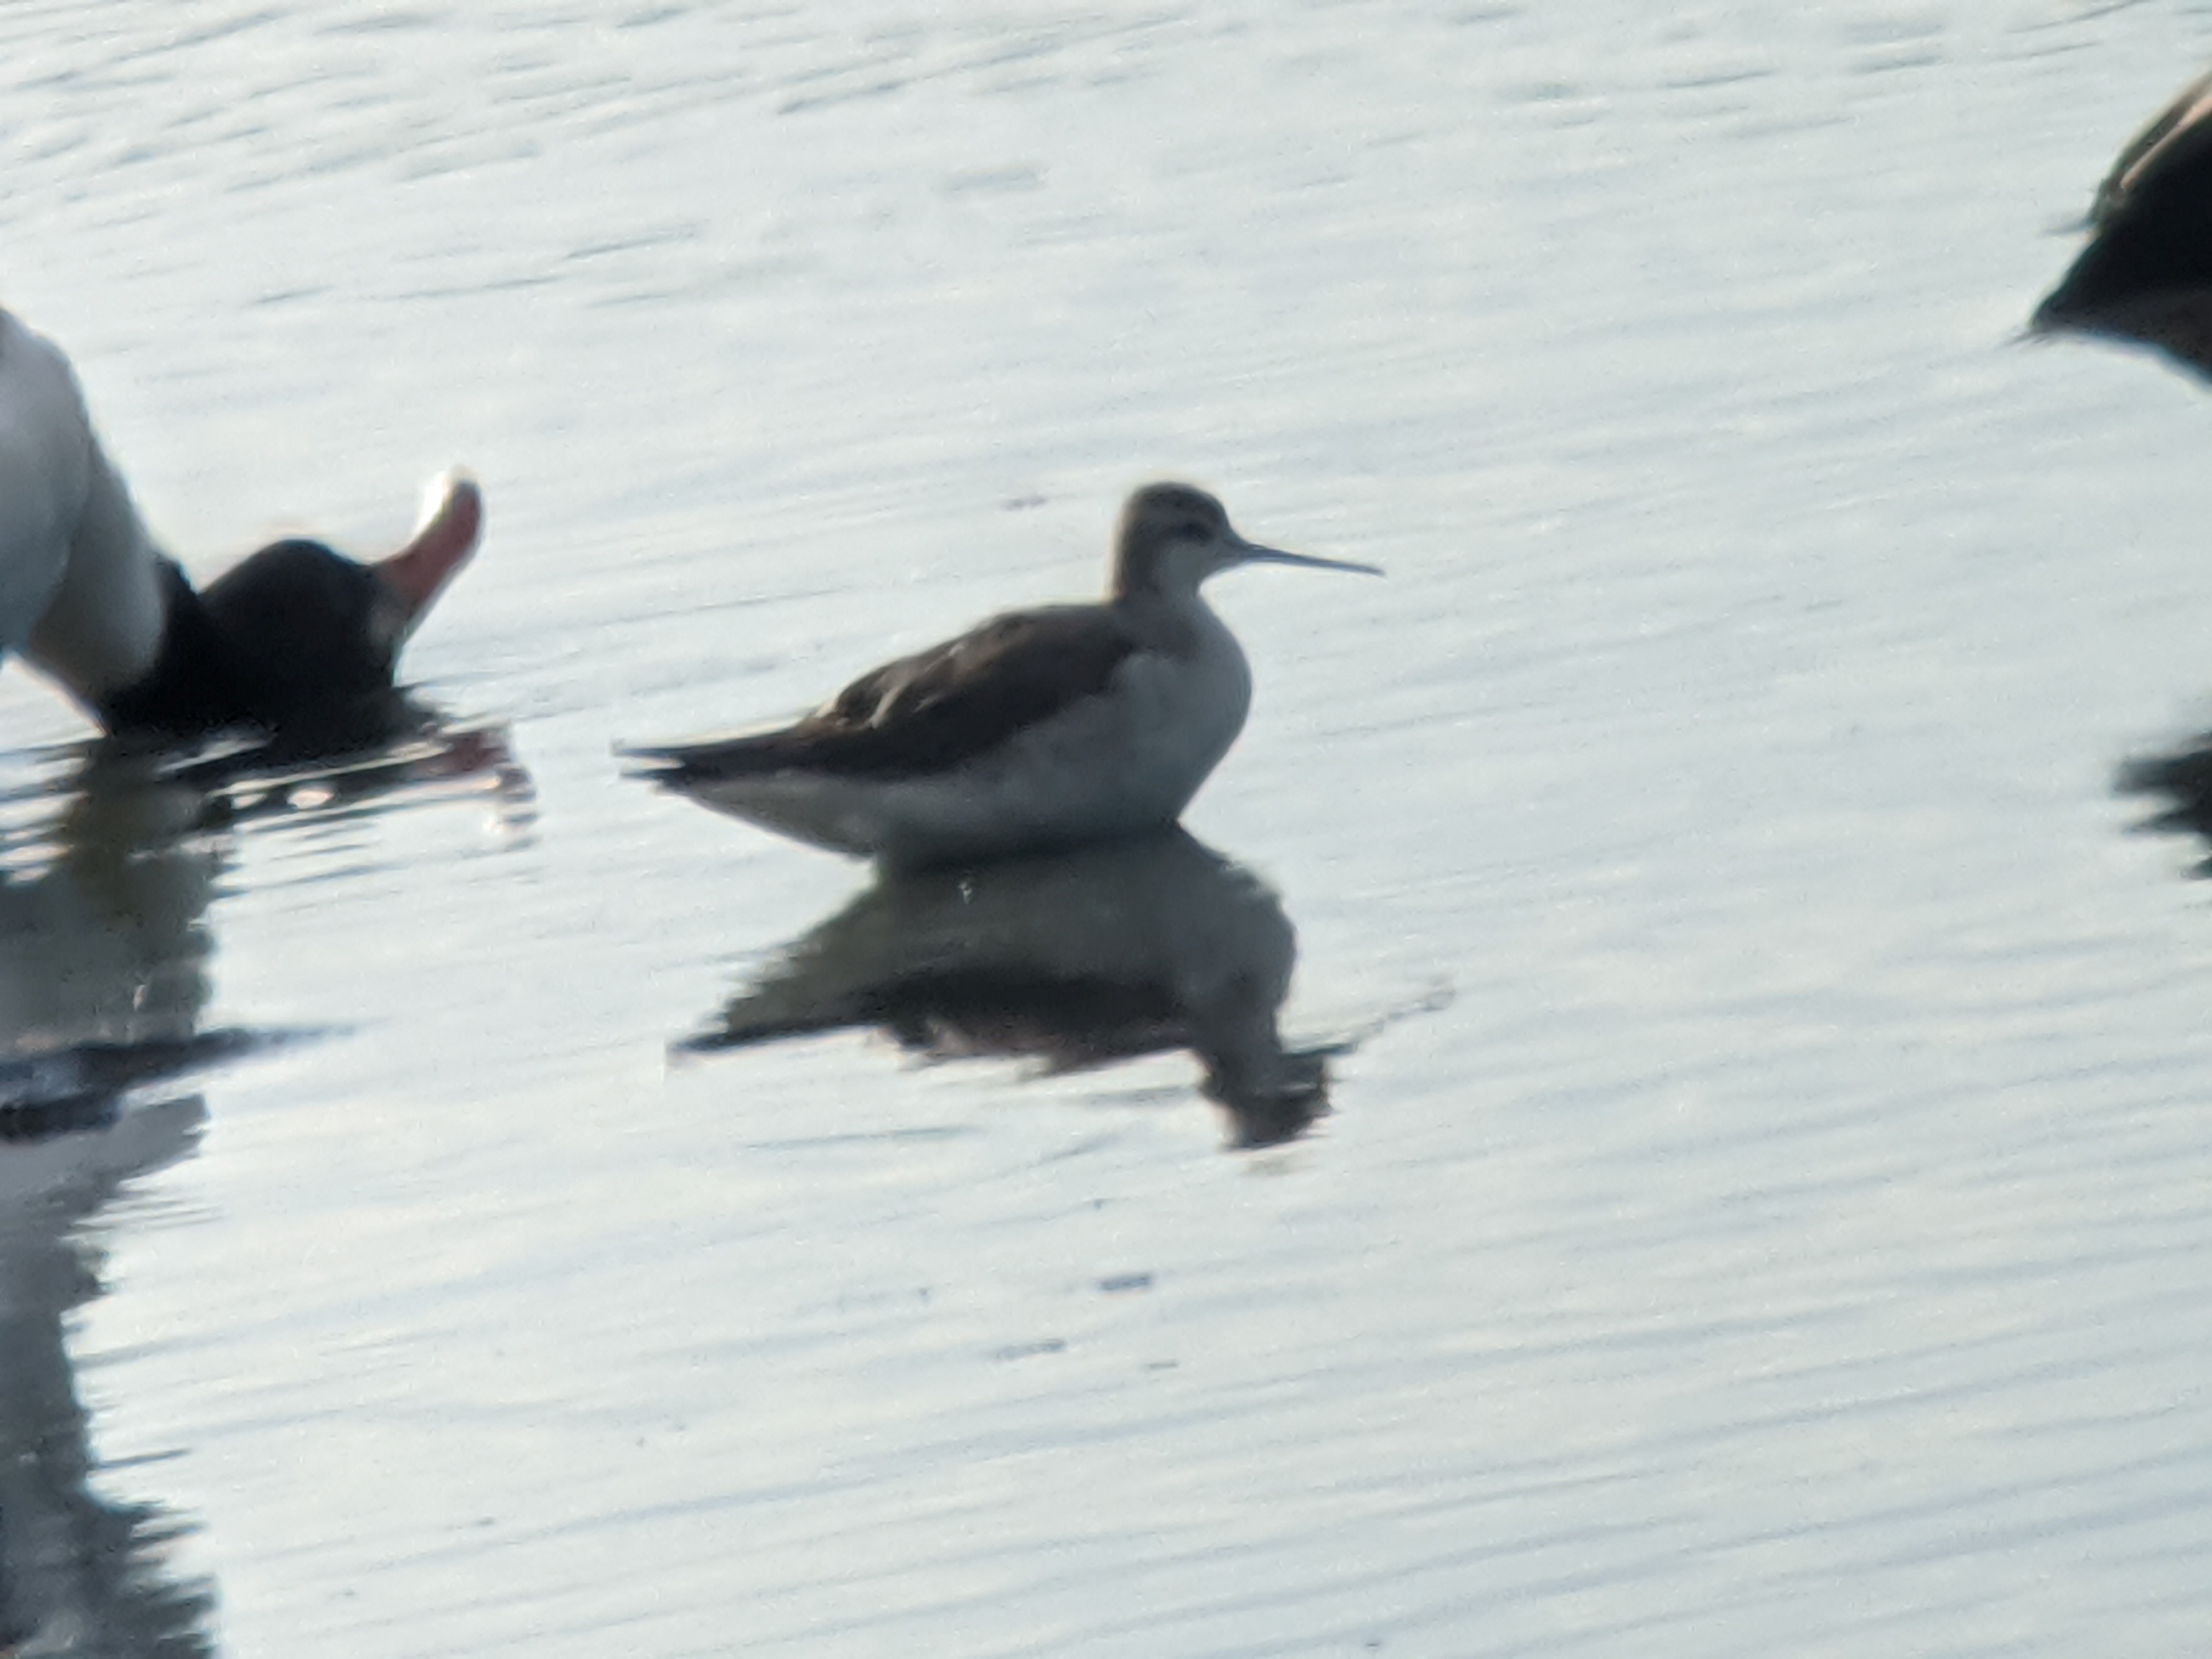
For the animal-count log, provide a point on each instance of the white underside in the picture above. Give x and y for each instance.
(1127, 760)
(80, 587)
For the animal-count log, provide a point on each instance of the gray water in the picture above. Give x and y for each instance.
(1764, 1204)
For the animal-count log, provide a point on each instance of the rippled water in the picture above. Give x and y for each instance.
(1762, 1203)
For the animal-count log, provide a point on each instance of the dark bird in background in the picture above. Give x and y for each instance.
(2146, 276)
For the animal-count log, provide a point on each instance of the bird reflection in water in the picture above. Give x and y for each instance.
(103, 976)
(103, 939)
(108, 861)
(2180, 781)
(79, 1572)
(1073, 960)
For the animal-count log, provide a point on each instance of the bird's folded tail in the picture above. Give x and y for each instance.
(678, 765)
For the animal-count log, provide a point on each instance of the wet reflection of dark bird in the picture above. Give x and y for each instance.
(82, 1569)
(295, 634)
(2179, 783)
(103, 978)
(104, 942)
(1038, 728)
(104, 946)
(1073, 960)
(2146, 275)
(105, 875)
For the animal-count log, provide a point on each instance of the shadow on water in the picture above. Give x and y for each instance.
(108, 862)
(1072, 960)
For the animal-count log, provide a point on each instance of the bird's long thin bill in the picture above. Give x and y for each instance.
(418, 571)
(1254, 554)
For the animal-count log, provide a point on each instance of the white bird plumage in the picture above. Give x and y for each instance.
(80, 581)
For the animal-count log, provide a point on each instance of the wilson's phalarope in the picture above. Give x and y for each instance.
(1037, 728)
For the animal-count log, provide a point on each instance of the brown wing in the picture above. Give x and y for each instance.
(934, 709)
(2141, 158)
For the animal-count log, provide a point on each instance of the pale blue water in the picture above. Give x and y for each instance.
(1764, 1207)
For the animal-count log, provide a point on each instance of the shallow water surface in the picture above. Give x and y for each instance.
(1732, 1176)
